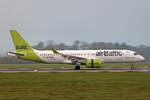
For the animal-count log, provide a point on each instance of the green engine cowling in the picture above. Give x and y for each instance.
(93, 63)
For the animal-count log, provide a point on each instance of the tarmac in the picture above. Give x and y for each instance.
(72, 70)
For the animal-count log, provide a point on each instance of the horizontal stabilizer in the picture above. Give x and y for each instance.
(15, 54)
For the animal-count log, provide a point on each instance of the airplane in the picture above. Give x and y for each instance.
(90, 58)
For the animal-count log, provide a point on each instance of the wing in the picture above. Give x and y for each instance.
(70, 57)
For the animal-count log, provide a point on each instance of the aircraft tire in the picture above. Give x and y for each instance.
(77, 67)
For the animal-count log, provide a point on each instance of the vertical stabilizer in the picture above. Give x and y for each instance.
(20, 44)
(22, 47)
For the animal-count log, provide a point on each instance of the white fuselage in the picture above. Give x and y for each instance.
(107, 56)
(88, 57)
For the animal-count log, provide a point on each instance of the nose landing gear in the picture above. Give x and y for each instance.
(132, 66)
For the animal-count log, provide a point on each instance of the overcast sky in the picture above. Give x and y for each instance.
(68, 20)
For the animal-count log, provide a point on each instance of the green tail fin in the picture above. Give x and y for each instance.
(20, 44)
(23, 47)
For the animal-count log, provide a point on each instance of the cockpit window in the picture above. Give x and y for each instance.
(135, 53)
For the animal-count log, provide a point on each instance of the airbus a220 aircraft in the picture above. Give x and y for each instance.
(91, 58)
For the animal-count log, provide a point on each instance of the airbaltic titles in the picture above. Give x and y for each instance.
(109, 53)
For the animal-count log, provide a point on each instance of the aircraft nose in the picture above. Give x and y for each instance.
(142, 58)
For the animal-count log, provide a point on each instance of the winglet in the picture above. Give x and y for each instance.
(54, 51)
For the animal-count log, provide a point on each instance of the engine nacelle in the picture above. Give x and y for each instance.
(93, 63)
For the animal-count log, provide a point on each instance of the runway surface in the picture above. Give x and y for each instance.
(72, 70)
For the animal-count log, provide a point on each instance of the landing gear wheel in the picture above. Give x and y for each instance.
(77, 66)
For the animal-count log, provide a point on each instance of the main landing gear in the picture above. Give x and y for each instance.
(77, 66)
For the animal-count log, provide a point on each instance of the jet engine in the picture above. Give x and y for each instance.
(93, 63)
